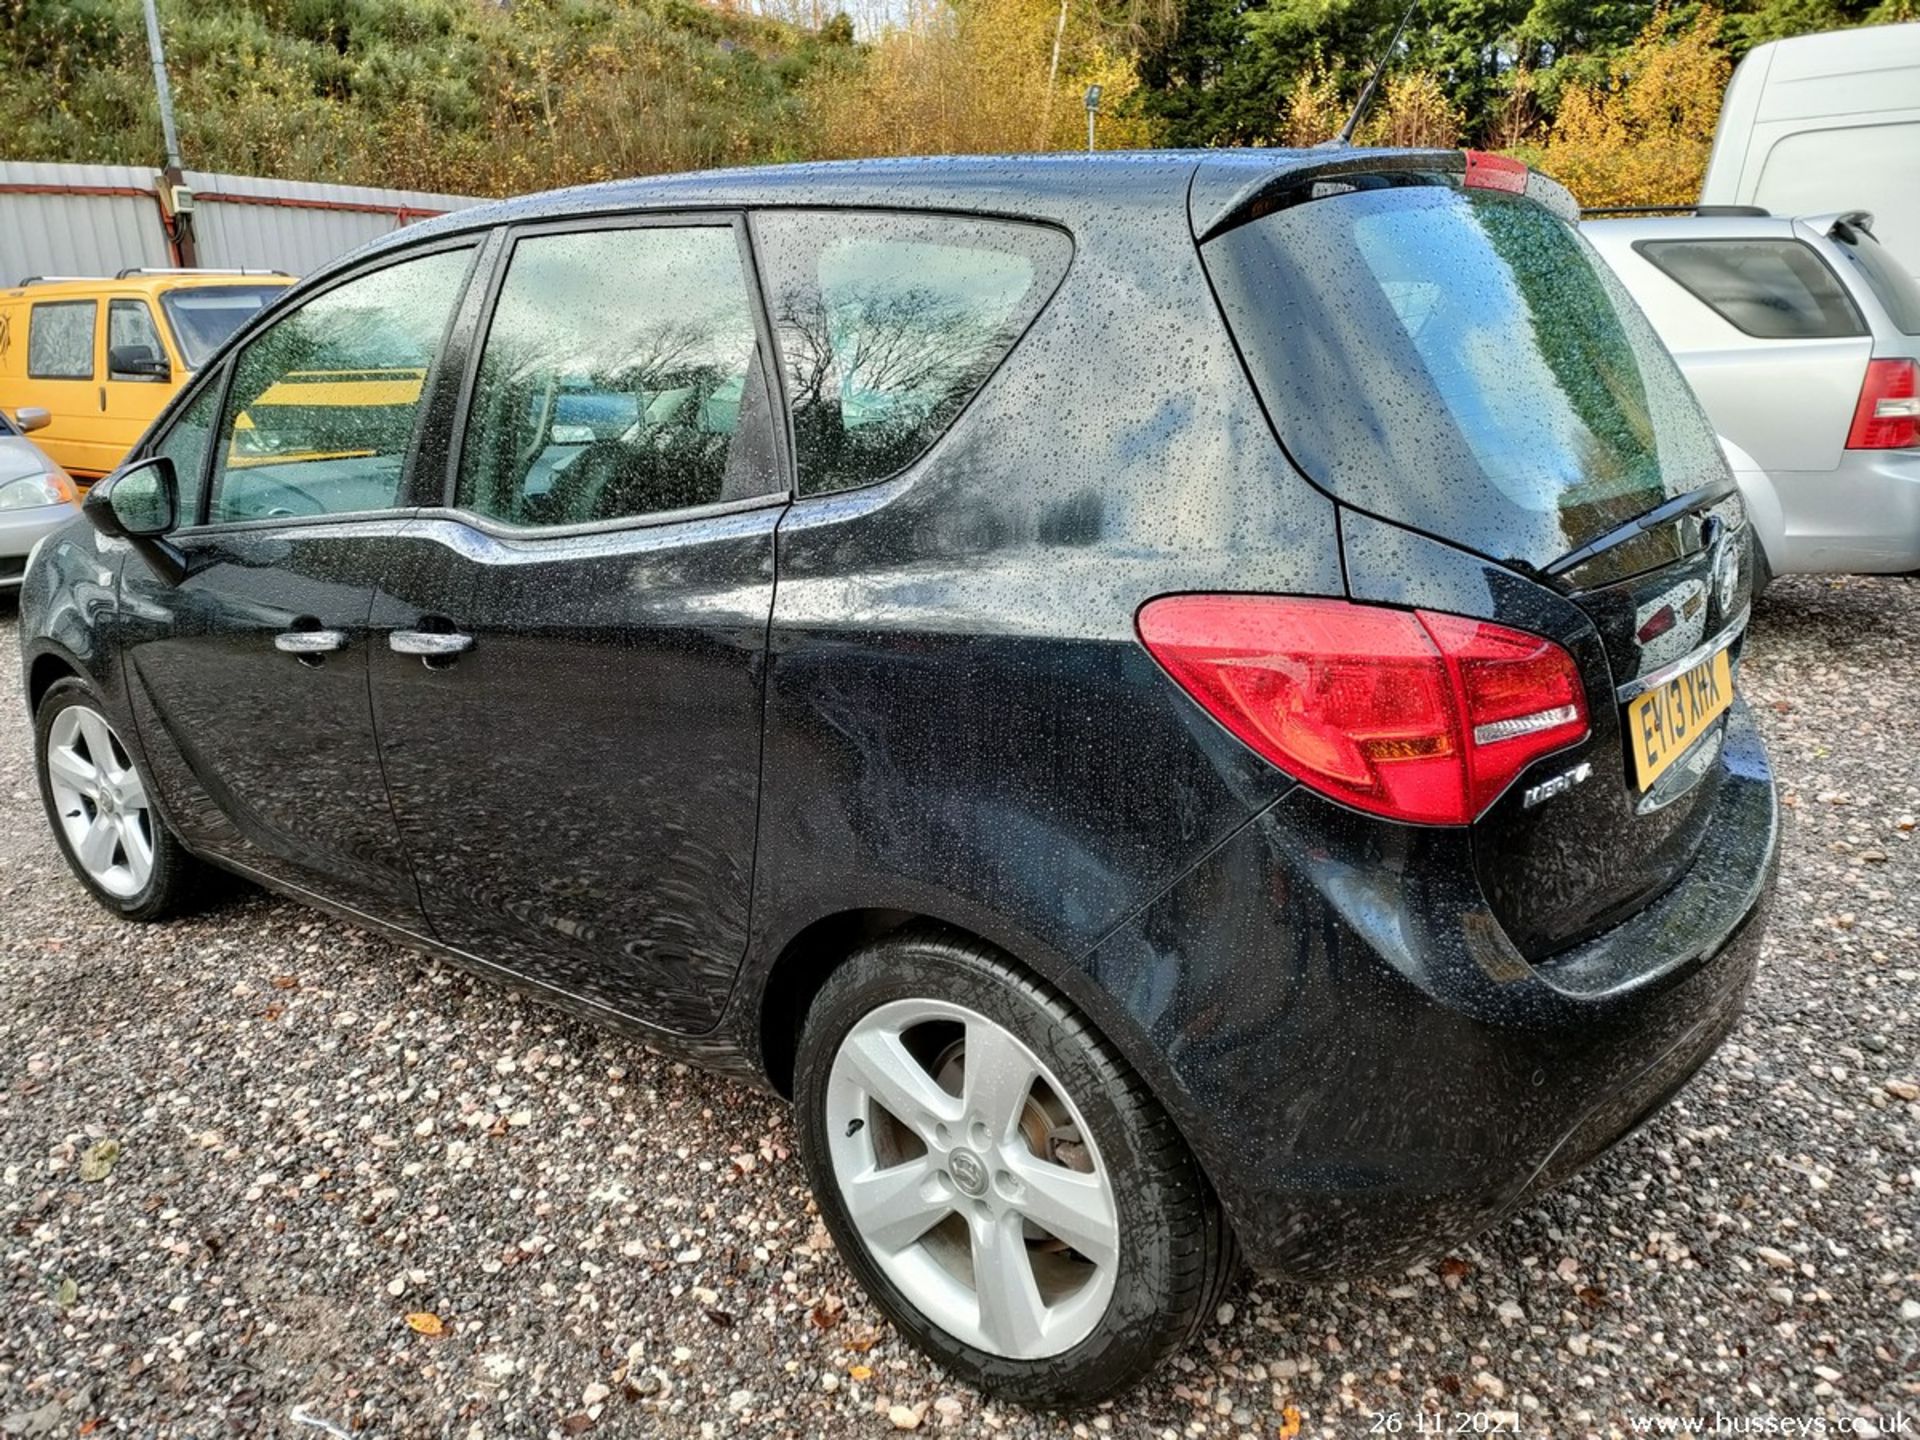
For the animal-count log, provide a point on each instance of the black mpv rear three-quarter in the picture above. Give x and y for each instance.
(1180, 705)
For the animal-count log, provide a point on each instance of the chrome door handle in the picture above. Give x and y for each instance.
(431, 644)
(309, 642)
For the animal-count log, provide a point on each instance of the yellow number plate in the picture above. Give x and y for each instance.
(1662, 723)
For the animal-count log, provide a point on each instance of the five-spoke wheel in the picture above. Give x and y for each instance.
(999, 1179)
(99, 801)
(102, 810)
(972, 1178)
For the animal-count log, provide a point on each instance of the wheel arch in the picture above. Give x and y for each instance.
(802, 966)
(44, 671)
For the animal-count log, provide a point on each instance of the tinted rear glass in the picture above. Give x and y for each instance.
(1461, 362)
(889, 323)
(1771, 289)
(1896, 290)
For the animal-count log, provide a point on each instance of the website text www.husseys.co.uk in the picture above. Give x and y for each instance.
(1752, 1423)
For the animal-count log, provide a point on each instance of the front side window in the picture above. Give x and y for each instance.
(186, 443)
(620, 378)
(320, 413)
(131, 337)
(60, 340)
(1770, 289)
(890, 323)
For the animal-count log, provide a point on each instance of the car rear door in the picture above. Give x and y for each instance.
(1509, 441)
(248, 672)
(568, 676)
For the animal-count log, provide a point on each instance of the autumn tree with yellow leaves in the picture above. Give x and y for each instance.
(1642, 137)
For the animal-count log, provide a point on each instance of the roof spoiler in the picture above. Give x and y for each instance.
(1218, 204)
(1861, 220)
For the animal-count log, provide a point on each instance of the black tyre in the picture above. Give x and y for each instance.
(101, 811)
(1001, 1182)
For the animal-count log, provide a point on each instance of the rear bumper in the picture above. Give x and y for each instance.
(1366, 1067)
(20, 531)
(1862, 517)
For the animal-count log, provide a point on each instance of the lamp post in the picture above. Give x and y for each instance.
(154, 51)
(178, 222)
(1093, 109)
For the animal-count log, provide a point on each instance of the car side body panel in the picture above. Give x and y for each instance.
(1021, 570)
(69, 612)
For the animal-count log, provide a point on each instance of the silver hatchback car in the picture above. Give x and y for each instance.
(37, 497)
(1802, 339)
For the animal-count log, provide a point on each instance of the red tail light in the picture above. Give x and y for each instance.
(1888, 415)
(1403, 713)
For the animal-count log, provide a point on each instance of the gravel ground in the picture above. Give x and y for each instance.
(321, 1135)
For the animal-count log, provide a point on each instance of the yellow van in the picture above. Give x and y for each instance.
(102, 357)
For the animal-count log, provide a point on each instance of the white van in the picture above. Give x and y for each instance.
(1825, 123)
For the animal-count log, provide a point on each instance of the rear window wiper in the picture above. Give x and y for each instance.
(1671, 510)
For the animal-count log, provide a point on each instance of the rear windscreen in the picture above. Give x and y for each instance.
(1897, 291)
(1461, 362)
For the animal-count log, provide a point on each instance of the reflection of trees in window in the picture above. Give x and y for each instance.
(890, 323)
(615, 421)
(879, 372)
(1579, 335)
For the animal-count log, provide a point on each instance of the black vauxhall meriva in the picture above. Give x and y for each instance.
(1178, 704)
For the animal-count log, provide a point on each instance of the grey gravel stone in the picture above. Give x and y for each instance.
(309, 1117)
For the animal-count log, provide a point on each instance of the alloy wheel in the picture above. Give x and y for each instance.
(100, 801)
(972, 1178)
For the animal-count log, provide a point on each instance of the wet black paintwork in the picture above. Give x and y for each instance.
(579, 792)
(260, 756)
(1331, 1002)
(1558, 872)
(956, 722)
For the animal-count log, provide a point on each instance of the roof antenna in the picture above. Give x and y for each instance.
(1345, 137)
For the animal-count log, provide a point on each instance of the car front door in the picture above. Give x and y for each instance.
(568, 694)
(248, 675)
(140, 378)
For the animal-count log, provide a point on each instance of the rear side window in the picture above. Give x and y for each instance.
(60, 340)
(1461, 362)
(1894, 288)
(1770, 289)
(601, 401)
(890, 323)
